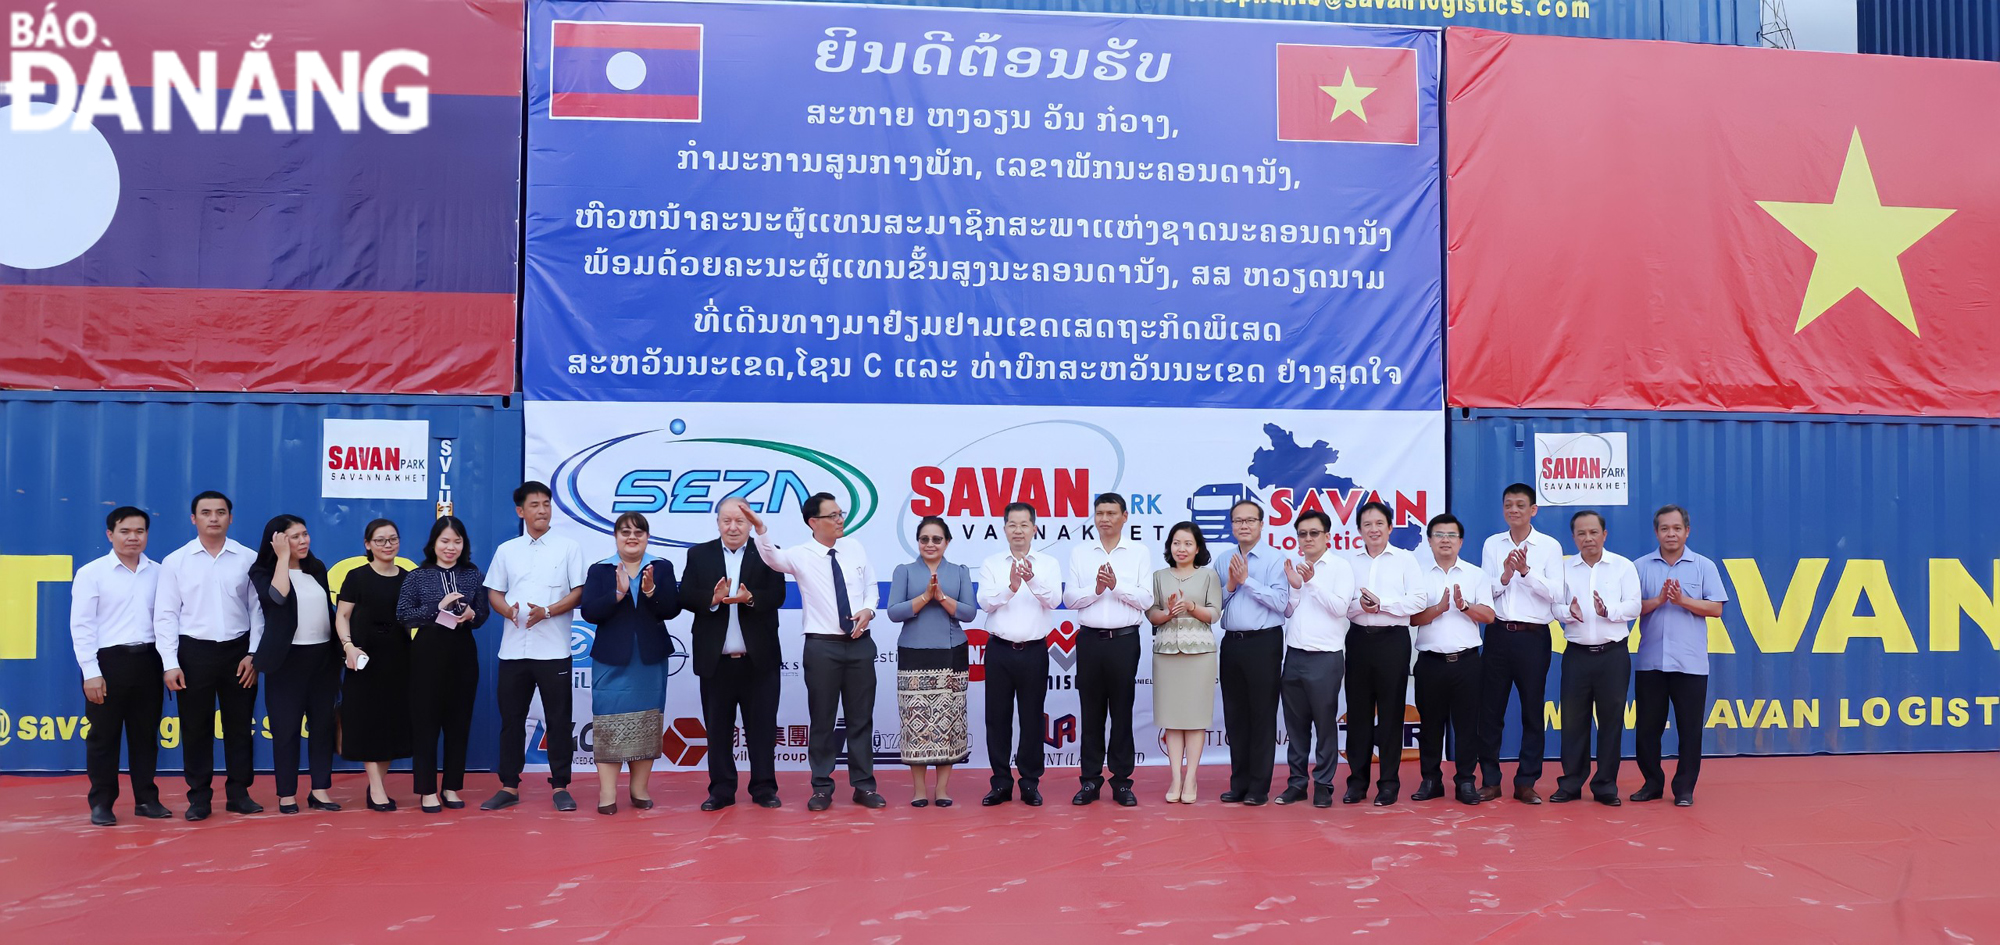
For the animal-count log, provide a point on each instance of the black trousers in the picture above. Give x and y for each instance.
(1594, 685)
(1312, 706)
(1251, 664)
(735, 685)
(1107, 683)
(303, 688)
(518, 683)
(131, 710)
(1017, 688)
(840, 677)
(1514, 663)
(1378, 678)
(1448, 697)
(1688, 693)
(210, 669)
(444, 678)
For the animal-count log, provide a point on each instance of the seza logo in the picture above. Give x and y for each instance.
(677, 481)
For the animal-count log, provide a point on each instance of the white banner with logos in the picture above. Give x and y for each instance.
(892, 464)
(1581, 469)
(375, 459)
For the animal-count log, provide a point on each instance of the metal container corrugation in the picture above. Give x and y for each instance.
(66, 459)
(1943, 29)
(1876, 527)
(1722, 22)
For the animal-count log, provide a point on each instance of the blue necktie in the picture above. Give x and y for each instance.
(840, 593)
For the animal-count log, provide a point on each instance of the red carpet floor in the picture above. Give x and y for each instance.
(1834, 849)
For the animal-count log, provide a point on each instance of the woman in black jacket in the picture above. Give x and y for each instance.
(445, 599)
(301, 666)
(629, 596)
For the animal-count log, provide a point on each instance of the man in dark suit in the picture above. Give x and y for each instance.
(734, 598)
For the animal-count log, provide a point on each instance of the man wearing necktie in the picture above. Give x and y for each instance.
(833, 575)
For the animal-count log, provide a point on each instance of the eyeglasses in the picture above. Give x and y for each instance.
(384, 541)
(1246, 521)
(932, 540)
(833, 516)
(1315, 533)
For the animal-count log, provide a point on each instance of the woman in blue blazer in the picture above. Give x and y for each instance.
(630, 596)
(932, 598)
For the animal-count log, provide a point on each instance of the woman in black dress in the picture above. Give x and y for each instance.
(445, 599)
(375, 699)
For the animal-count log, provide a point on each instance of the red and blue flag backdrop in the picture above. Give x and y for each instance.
(631, 71)
(1665, 226)
(270, 195)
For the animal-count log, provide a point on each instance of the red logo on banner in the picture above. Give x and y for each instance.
(1364, 94)
(1064, 637)
(684, 743)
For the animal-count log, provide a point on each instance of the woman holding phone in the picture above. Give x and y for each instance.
(296, 655)
(445, 599)
(375, 696)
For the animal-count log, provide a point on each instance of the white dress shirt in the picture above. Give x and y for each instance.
(1453, 631)
(1122, 606)
(808, 564)
(314, 624)
(206, 597)
(1617, 581)
(111, 605)
(536, 571)
(1397, 583)
(1316, 615)
(732, 568)
(1020, 616)
(1530, 597)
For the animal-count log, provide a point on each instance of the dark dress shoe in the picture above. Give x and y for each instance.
(1031, 796)
(317, 804)
(1428, 790)
(1385, 796)
(563, 801)
(1685, 800)
(1647, 793)
(391, 805)
(101, 816)
(1526, 794)
(819, 802)
(921, 802)
(640, 803)
(501, 800)
(1490, 792)
(450, 804)
(284, 808)
(1467, 794)
(196, 812)
(244, 806)
(152, 811)
(1125, 797)
(1354, 796)
(944, 802)
(770, 802)
(1231, 797)
(996, 797)
(608, 809)
(870, 800)
(1256, 800)
(430, 808)
(718, 803)
(1608, 800)
(1086, 796)
(1562, 797)
(1291, 795)
(1323, 797)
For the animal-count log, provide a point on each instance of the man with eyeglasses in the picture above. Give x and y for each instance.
(837, 592)
(1459, 597)
(1315, 661)
(1254, 595)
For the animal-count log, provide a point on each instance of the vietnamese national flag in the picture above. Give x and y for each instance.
(1640, 225)
(1364, 94)
(625, 71)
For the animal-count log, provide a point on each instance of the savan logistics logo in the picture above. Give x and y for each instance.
(677, 481)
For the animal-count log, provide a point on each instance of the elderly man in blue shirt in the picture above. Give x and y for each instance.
(1254, 594)
(1682, 591)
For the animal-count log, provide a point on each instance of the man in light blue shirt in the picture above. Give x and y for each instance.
(1254, 594)
(1682, 591)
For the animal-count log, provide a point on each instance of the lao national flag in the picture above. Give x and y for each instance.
(1363, 94)
(625, 71)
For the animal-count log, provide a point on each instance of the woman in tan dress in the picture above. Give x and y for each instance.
(1187, 598)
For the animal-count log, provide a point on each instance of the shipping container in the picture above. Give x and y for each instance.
(1862, 558)
(67, 459)
(1942, 29)
(1724, 22)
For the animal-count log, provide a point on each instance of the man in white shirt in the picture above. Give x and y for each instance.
(1459, 598)
(1110, 586)
(206, 622)
(1315, 659)
(1018, 588)
(535, 583)
(838, 593)
(1526, 567)
(1388, 589)
(111, 624)
(1601, 594)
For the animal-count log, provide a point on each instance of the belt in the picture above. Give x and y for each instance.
(733, 656)
(1365, 628)
(1520, 626)
(1106, 633)
(1246, 634)
(835, 636)
(1041, 644)
(1451, 657)
(123, 647)
(1599, 648)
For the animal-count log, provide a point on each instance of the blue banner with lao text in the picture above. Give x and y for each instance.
(804, 203)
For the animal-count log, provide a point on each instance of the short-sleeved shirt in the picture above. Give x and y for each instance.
(536, 571)
(1671, 638)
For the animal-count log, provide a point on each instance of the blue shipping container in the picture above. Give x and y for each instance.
(1860, 556)
(1721, 22)
(1942, 29)
(68, 459)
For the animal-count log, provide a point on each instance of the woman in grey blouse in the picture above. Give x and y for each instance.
(1187, 599)
(931, 598)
